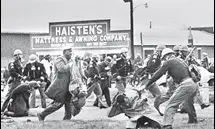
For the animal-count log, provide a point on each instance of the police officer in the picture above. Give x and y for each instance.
(184, 52)
(93, 78)
(121, 69)
(185, 92)
(35, 70)
(152, 66)
(15, 68)
(104, 68)
(176, 49)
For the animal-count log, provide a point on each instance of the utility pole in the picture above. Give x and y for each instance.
(131, 28)
(190, 38)
(141, 41)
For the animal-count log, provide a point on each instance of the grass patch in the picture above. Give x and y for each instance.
(208, 123)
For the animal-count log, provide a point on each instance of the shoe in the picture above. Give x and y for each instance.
(192, 121)
(102, 106)
(204, 106)
(40, 117)
(167, 127)
(95, 105)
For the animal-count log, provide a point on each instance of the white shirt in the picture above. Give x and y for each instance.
(47, 66)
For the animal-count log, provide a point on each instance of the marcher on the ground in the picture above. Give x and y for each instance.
(184, 93)
(134, 105)
(18, 106)
(15, 69)
(104, 73)
(58, 90)
(35, 70)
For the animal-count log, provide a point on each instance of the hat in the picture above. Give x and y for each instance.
(184, 48)
(176, 48)
(17, 51)
(166, 51)
(123, 50)
(33, 58)
(160, 47)
(67, 48)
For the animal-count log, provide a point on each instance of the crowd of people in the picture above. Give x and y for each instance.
(70, 79)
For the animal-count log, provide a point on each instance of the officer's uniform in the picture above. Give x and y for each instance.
(36, 71)
(15, 69)
(191, 60)
(104, 83)
(122, 67)
(153, 65)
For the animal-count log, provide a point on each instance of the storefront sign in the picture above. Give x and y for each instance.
(83, 34)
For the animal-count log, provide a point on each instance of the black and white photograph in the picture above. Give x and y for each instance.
(107, 64)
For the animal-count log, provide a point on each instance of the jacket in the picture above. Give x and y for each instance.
(35, 71)
(59, 86)
(122, 67)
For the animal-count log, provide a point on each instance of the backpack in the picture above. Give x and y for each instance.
(195, 72)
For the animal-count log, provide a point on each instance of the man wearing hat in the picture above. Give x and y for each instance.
(15, 69)
(35, 70)
(121, 69)
(184, 52)
(185, 92)
(58, 90)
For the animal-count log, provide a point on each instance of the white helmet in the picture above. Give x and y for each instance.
(166, 51)
(17, 52)
(123, 50)
(33, 58)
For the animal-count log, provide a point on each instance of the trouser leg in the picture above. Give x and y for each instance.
(90, 89)
(155, 91)
(124, 81)
(98, 93)
(180, 95)
(54, 106)
(120, 87)
(43, 96)
(68, 109)
(199, 98)
(33, 99)
(106, 93)
(191, 109)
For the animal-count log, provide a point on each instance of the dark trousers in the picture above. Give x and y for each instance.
(106, 93)
(54, 106)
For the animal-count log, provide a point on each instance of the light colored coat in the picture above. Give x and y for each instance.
(61, 79)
